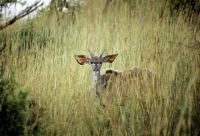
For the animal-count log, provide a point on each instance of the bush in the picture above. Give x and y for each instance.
(13, 107)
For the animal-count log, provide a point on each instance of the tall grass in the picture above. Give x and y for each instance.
(42, 52)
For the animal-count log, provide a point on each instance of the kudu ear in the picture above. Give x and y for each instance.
(82, 59)
(109, 58)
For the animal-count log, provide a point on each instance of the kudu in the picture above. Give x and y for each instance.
(111, 81)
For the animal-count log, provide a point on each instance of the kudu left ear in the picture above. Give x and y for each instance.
(109, 58)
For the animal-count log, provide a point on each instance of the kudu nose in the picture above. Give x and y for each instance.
(95, 67)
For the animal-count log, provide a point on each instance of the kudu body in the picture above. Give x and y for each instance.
(112, 81)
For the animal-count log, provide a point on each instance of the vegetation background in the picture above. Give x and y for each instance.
(163, 36)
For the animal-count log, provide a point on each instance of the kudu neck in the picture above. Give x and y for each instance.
(97, 83)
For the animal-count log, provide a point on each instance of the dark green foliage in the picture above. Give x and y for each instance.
(13, 108)
(5, 2)
(190, 8)
(177, 5)
(18, 116)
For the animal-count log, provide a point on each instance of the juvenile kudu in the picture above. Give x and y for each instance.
(112, 81)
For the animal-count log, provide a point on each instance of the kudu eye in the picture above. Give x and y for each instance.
(100, 62)
(91, 62)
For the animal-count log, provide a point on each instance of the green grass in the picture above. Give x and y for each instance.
(42, 52)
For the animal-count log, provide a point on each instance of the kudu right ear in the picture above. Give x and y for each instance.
(109, 58)
(82, 59)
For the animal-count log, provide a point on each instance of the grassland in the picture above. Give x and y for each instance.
(41, 51)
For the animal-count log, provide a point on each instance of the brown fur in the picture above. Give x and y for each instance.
(123, 84)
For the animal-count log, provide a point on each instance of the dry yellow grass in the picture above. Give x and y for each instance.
(140, 37)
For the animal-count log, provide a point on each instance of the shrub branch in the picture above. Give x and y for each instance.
(22, 14)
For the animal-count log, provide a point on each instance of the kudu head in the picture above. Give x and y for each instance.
(95, 61)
